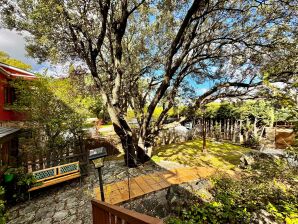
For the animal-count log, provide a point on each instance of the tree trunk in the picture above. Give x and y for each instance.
(204, 149)
(133, 154)
(255, 128)
(247, 129)
(228, 129)
(234, 130)
(220, 129)
(240, 132)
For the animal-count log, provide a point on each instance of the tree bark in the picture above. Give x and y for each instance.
(240, 132)
(204, 148)
(255, 127)
(234, 130)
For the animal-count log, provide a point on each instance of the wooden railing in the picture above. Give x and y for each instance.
(104, 213)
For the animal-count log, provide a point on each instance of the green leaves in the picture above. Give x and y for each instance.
(5, 58)
(267, 190)
(2, 206)
(55, 113)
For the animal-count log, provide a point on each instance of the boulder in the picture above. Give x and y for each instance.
(185, 195)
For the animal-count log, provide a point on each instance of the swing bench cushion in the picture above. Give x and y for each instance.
(55, 175)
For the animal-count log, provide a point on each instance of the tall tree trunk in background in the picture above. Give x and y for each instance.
(240, 132)
(219, 129)
(212, 128)
(234, 130)
(255, 127)
(204, 147)
(225, 129)
(228, 129)
(133, 154)
(247, 129)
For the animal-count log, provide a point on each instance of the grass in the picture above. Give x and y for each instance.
(106, 125)
(220, 154)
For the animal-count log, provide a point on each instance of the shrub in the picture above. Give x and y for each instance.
(2, 206)
(17, 190)
(252, 142)
(270, 188)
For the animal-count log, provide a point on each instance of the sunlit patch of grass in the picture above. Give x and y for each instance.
(220, 154)
(156, 159)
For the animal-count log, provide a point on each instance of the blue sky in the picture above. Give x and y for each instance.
(14, 44)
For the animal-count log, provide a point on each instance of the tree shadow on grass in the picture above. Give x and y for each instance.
(220, 154)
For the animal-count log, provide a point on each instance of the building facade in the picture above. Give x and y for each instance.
(8, 96)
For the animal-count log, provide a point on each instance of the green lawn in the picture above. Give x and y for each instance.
(220, 154)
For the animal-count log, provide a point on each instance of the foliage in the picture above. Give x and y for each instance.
(49, 105)
(149, 54)
(5, 58)
(270, 187)
(24, 179)
(21, 183)
(252, 142)
(85, 98)
(2, 206)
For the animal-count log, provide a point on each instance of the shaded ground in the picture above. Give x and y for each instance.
(220, 154)
(69, 202)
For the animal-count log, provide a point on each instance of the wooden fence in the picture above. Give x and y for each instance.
(78, 151)
(104, 213)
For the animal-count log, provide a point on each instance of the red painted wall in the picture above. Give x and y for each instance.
(7, 114)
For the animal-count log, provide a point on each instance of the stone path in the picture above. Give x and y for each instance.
(69, 202)
(118, 192)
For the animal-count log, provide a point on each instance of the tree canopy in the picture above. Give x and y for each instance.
(143, 54)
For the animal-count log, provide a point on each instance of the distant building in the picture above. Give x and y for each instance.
(9, 146)
(7, 93)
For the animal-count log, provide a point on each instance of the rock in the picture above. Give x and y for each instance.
(247, 160)
(153, 204)
(71, 219)
(27, 210)
(71, 202)
(60, 206)
(59, 216)
(204, 195)
(250, 158)
(179, 197)
(50, 214)
(41, 213)
(72, 211)
(44, 221)
(263, 217)
(29, 217)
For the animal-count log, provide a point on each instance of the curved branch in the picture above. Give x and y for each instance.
(219, 86)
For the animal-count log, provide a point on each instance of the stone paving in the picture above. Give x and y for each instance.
(69, 202)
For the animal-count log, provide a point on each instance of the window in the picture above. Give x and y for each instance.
(9, 95)
(6, 95)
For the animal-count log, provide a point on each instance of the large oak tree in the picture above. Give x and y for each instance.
(141, 53)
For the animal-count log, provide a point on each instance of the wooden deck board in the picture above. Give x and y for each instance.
(116, 193)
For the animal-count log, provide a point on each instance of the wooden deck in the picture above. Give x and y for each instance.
(104, 213)
(116, 193)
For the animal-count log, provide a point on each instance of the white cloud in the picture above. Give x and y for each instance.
(13, 43)
(202, 90)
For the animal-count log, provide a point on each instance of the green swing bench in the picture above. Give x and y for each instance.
(55, 175)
